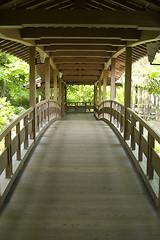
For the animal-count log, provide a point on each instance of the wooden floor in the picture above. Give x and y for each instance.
(79, 184)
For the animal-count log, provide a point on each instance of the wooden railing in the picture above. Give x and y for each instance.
(140, 140)
(19, 139)
(77, 107)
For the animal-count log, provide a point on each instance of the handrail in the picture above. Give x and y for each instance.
(8, 128)
(140, 144)
(20, 138)
(144, 123)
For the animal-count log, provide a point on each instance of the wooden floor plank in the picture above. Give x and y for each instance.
(79, 184)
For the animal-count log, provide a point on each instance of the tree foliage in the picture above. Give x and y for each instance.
(13, 74)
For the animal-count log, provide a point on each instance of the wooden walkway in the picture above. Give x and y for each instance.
(79, 184)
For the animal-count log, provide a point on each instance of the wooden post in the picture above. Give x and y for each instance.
(32, 93)
(62, 112)
(65, 98)
(9, 168)
(95, 94)
(127, 96)
(60, 92)
(99, 85)
(104, 84)
(47, 78)
(55, 85)
(19, 141)
(113, 85)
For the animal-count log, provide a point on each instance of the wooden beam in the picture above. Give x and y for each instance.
(57, 41)
(80, 60)
(80, 18)
(105, 48)
(80, 54)
(80, 78)
(80, 72)
(30, 33)
(80, 4)
(80, 66)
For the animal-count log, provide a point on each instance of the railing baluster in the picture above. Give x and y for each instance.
(133, 124)
(149, 158)
(8, 146)
(19, 143)
(140, 146)
(26, 132)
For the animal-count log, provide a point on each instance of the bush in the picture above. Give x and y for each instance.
(7, 112)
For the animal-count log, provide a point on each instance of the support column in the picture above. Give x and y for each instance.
(47, 78)
(104, 84)
(55, 85)
(99, 85)
(60, 92)
(95, 94)
(127, 96)
(32, 80)
(65, 98)
(62, 98)
(113, 84)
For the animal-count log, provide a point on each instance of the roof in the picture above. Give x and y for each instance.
(80, 36)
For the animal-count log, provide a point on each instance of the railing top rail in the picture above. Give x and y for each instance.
(120, 104)
(79, 102)
(55, 102)
(41, 103)
(144, 123)
(14, 123)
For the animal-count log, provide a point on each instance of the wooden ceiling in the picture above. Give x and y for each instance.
(80, 36)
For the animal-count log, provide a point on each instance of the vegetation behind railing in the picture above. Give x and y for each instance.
(141, 141)
(18, 139)
(77, 107)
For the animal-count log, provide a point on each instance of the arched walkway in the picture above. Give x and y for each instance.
(79, 184)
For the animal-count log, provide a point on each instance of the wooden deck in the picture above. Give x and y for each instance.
(79, 184)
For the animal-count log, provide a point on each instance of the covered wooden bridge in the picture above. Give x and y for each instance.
(69, 176)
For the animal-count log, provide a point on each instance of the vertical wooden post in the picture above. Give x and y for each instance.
(32, 94)
(9, 168)
(32, 89)
(60, 92)
(47, 78)
(140, 145)
(62, 111)
(127, 97)
(65, 98)
(104, 84)
(95, 94)
(99, 85)
(19, 142)
(113, 85)
(55, 85)
(150, 171)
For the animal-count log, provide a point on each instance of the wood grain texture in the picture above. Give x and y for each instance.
(79, 184)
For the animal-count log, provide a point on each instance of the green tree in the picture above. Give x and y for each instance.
(13, 74)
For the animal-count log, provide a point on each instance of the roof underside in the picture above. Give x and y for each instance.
(80, 36)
